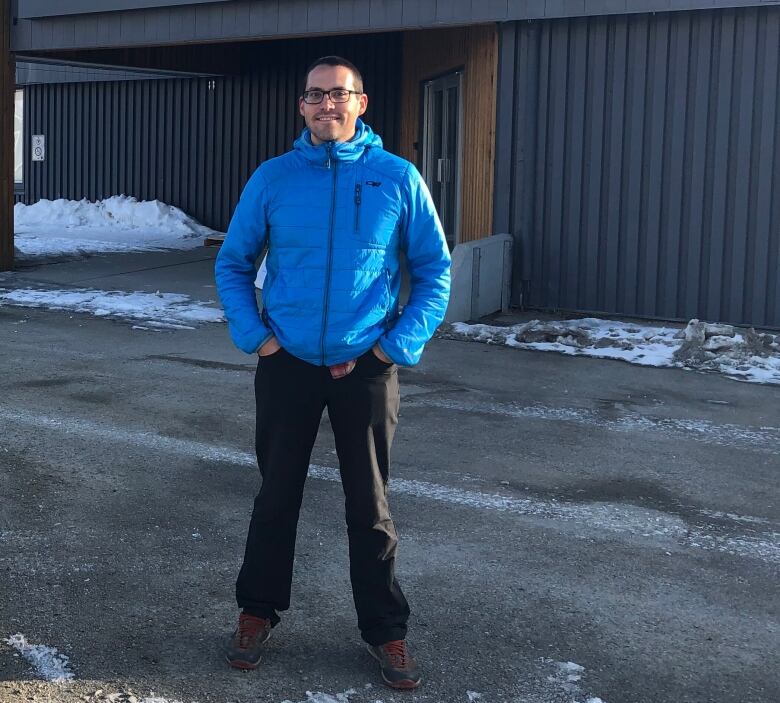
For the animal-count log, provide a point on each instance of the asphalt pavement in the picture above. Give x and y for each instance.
(571, 529)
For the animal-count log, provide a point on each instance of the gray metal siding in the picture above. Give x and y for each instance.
(644, 164)
(191, 142)
(29, 72)
(248, 19)
(52, 8)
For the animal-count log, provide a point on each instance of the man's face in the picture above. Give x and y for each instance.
(329, 121)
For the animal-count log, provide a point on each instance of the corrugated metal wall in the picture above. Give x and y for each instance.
(191, 142)
(644, 163)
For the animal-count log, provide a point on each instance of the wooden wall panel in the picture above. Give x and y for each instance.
(7, 80)
(429, 54)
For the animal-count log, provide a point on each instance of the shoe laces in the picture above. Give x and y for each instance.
(248, 628)
(397, 653)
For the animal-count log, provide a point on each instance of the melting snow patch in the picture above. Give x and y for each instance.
(743, 355)
(47, 661)
(129, 698)
(327, 697)
(116, 224)
(157, 310)
(567, 677)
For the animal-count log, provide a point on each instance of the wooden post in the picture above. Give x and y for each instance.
(7, 88)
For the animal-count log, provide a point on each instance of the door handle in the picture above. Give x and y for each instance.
(443, 170)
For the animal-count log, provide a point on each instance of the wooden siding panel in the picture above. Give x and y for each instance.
(475, 50)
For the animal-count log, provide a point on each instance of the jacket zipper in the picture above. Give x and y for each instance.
(328, 147)
(358, 200)
(389, 299)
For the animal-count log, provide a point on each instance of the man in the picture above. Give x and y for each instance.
(335, 215)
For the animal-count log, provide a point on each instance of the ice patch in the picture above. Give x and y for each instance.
(567, 677)
(611, 517)
(130, 698)
(47, 661)
(473, 696)
(318, 697)
(762, 439)
(157, 310)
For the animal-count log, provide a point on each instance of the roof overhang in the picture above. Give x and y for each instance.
(37, 9)
(56, 25)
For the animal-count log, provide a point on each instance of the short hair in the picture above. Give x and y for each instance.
(336, 61)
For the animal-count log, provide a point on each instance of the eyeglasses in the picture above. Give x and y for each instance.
(336, 95)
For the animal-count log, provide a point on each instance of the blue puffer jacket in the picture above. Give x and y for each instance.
(335, 218)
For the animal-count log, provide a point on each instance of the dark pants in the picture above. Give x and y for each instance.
(363, 409)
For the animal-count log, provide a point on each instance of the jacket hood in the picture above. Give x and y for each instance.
(340, 151)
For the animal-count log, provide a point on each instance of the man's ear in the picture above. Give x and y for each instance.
(300, 107)
(363, 103)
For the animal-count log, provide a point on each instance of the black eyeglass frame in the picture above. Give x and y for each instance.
(350, 93)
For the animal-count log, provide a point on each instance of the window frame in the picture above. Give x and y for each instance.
(20, 151)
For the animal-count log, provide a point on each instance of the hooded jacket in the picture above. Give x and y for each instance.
(335, 218)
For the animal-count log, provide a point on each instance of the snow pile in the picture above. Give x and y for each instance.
(157, 310)
(737, 353)
(47, 661)
(116, 224)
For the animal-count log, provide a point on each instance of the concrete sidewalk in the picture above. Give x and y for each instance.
(190, 272)
(554, 513)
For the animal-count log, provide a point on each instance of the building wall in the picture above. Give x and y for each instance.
(639, 166)
(46, 25)
(191, 142)
(429, 54)
(7, 144)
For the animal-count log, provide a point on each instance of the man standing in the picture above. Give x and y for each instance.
(335, 215)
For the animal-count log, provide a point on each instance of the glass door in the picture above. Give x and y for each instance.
(441, 149)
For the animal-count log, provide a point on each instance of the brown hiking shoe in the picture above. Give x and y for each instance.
(243, 649)
(399, 669)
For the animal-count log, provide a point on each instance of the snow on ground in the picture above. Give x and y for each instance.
(149, 310)
(318, 697)
(741, 354)
(567, 678)
(47, 661)
(116, 224)
(123, 224)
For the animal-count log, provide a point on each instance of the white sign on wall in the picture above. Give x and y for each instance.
(38, 147)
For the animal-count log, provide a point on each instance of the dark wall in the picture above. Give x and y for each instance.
(192, 143)
(641, 169)
(237, 20)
